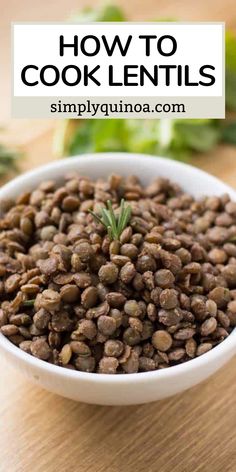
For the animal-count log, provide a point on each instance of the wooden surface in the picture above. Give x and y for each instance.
(41, 432)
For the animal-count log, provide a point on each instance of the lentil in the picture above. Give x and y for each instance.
(162, 294)
(162, 340)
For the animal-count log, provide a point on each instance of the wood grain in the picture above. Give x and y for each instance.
(194, 431)
(41, 432)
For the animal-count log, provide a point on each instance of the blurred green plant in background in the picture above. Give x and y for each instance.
(8, 160)
(177, 139)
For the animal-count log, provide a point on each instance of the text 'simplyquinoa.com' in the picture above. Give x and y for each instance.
(90, 108)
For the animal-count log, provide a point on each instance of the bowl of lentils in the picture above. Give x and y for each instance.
(118, 277)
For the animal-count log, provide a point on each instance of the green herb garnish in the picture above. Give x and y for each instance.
(114, 223)
(29, 302)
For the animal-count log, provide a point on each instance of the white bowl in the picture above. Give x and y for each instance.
(132, 388)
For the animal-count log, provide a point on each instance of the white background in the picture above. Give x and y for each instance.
(38, 44)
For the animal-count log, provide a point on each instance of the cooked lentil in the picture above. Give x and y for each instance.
(161, 295)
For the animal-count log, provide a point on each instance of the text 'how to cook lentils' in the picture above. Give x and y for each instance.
(162, 294)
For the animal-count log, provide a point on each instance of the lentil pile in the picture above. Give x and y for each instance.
(162, 294)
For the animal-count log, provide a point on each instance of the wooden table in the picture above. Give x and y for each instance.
(41, 432)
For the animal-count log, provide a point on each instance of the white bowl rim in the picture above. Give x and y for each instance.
(224, 347)
(67, 162)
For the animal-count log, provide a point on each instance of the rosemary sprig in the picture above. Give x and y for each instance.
(114, 223)
(29, 302)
